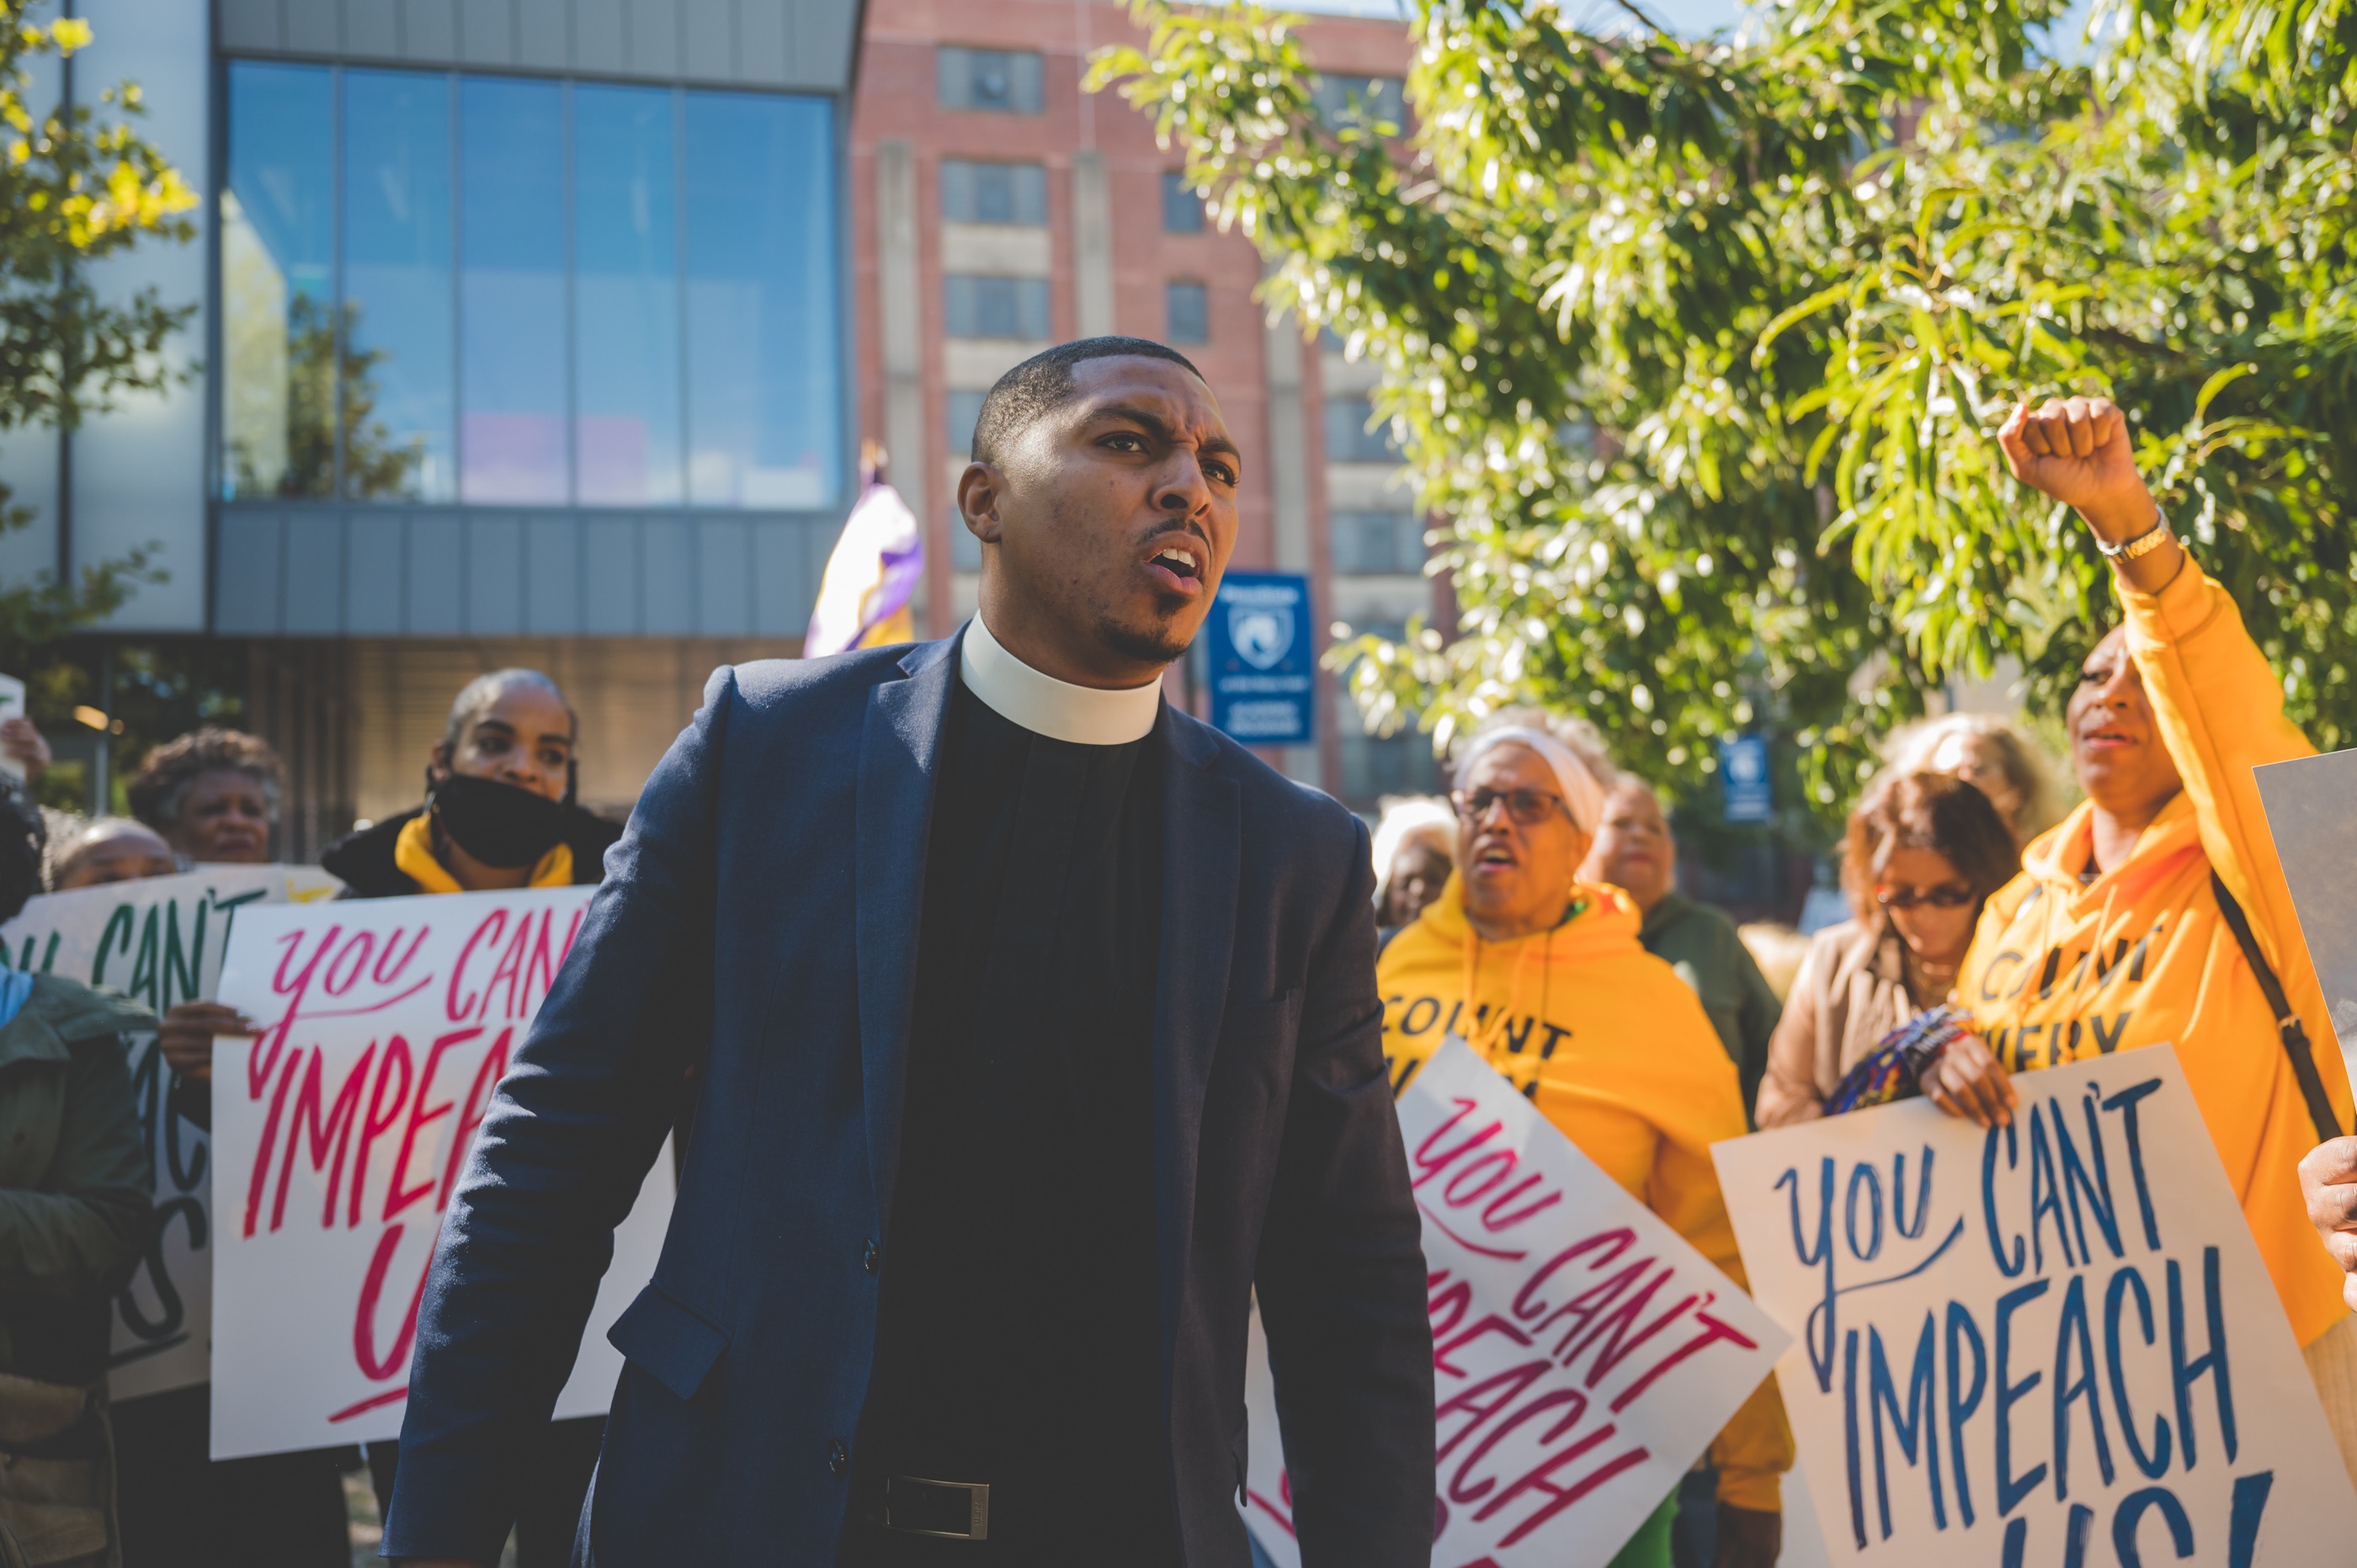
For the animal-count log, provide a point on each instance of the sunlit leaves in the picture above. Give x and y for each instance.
(1641, 306)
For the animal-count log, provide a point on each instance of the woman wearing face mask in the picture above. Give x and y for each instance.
(2121, 931)
(498, 814)
(1545, 976)
(499, 809)
(1924, 852)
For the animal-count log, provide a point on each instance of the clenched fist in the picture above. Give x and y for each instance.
(2078, 450)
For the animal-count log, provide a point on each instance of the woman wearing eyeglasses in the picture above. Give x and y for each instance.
(1545, 976)
(1924, 852)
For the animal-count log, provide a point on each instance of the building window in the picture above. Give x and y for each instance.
(1182, 209)
(527, 293)
(1188, 307)
(1374, 544)
(965, 413)
(993, 193)
(995, 307)
(1367, 100)
(1377, 765)
(1348, 439)
(1004, 81)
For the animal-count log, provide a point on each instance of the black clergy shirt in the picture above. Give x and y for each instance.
(1019, 1336)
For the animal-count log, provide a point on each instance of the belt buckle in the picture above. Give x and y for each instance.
(951, 1510)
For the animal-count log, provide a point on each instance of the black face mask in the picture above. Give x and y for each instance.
(503, 825)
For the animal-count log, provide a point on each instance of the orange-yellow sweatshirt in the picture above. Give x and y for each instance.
(2141, 956)
(1616, 1051)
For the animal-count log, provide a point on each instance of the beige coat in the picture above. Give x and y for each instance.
(1850, 994)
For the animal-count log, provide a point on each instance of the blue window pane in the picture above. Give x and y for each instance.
(628, 416)
(764, 416)
(1182, 210)
(398, 385)
(985, 306)
(512, 292)
(1188, 307)
(277, 254)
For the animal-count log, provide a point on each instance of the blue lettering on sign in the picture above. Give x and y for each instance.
(2139, 1387)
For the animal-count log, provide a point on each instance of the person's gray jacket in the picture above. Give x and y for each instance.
(762, 910)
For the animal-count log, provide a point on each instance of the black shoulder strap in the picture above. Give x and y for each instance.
(2288, 1027)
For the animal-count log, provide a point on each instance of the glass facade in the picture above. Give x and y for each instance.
(460, 289)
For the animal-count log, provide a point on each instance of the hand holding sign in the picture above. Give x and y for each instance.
(1583, 1354)
(342, 1130)
(2051, 1343)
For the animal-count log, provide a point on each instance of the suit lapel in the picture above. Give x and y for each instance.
(899, 755)
(1202, 817)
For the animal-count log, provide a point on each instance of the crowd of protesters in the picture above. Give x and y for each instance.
(1544, 889)
(498, 812)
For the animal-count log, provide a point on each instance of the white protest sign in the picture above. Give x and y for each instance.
(1583, 1353)
(158, 942)
(2048, 1347)
(342, 1131)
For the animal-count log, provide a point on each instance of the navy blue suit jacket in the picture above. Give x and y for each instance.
(759, 918)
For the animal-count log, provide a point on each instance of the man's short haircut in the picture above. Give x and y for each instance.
(1043, 383)
(484, 690)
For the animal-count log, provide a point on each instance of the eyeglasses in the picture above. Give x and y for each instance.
(1947, 895)
(1527, 807)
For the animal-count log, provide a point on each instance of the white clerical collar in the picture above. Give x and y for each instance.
(1084, 715)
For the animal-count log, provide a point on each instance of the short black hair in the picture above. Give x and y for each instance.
(1043, 383)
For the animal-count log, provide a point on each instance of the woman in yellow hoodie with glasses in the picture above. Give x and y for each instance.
(1543, 976)
(2120, 932)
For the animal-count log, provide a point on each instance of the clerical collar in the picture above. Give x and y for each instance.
(1084, 715)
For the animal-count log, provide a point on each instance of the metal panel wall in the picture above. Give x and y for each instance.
(322, 570)
(800, 44)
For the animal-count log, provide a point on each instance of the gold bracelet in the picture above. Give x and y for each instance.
(2142, 544)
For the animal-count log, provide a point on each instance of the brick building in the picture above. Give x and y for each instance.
(997, 208)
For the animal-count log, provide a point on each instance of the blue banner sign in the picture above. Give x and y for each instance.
(1743, 778)
(1262, 659)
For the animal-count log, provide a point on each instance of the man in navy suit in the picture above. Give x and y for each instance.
(1035, 1024)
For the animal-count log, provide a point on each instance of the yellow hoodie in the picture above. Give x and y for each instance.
(2140, 956)
(1616, 1051)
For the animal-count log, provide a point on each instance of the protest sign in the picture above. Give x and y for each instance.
(2046, 1346)
(2316, 839)
(1583, 1354)
(342, 1131)
(158, 942)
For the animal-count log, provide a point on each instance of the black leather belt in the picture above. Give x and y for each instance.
(955, 1510)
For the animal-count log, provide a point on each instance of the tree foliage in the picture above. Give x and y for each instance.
(76, 185)
(1700, 349)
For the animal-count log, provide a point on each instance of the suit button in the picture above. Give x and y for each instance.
(869, 1259)
(838, 1457)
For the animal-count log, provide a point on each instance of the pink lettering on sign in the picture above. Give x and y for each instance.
(1582, 1353)
(405, 1111)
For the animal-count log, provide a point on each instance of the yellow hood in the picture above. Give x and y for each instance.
(2141, 956)
(1615, 1050)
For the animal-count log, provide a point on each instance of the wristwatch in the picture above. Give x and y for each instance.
(2143, 543)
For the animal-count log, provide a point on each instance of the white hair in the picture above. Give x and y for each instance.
(1403, 822)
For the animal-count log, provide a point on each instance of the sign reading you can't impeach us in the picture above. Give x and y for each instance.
(1583, 1353)
(2048, 1346)
(341, 1132)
